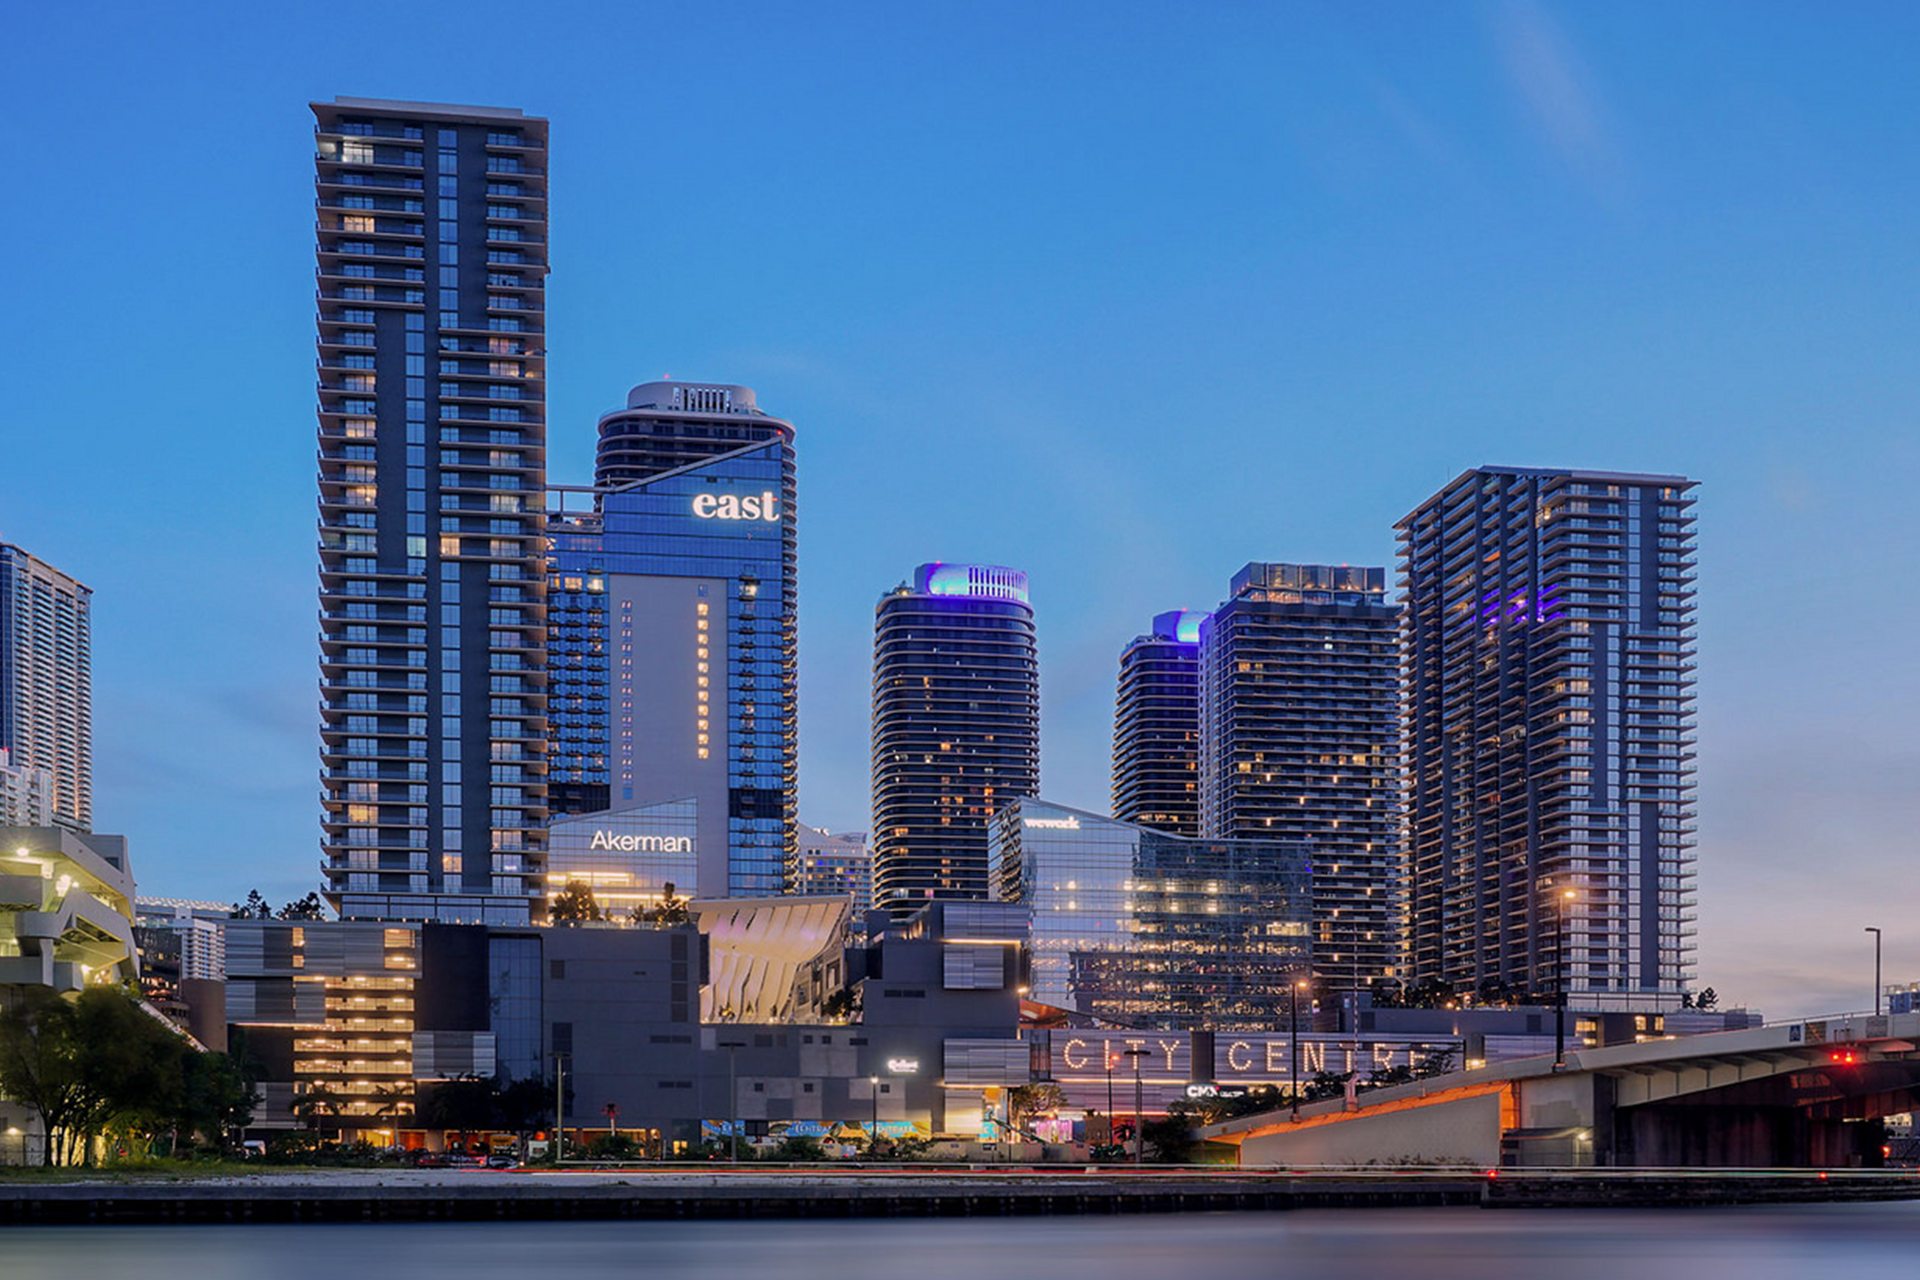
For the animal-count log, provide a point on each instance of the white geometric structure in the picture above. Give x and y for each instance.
(762, 953)
(66, 909)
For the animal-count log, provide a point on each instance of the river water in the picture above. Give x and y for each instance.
(1828, 1242)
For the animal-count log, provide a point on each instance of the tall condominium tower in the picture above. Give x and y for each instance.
(1299, 740)
(1156, 727)
(956, 727)
(432, 334)
(46, 687)
(1549, 644)
(672, 629)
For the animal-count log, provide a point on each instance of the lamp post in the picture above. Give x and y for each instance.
(733, 1098)
(873, 1134)
(1139, 1104)
(1875, 931)
(559, 1108)
(1560, 987)
(1109, 1095)
(1293, 1040)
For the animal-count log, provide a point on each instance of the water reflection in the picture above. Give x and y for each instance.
(1862, 1242)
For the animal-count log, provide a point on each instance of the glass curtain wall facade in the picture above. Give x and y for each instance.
(1156, 727)
(1152, 930)
(673, 637)
(431, 243)
(1299, 741)
(956, 727)
(1549, 656)
(46, 689)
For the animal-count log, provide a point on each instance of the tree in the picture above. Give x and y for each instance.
(842, 1005)
(1427, 993)
(88, 1065)
(217, 1099)
(1027, 1102)
(254, 908)
(1326, 1084)
(316, 1102)
(1171, 1140)
(1706, 1000)
(464, 1104)
(307, 908)
(575, 904)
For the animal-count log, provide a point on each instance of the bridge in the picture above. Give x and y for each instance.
(1806, 1094)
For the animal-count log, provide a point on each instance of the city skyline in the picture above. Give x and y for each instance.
(1502, 256)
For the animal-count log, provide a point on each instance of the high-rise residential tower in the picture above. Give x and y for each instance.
(1549, 646)
(672, 629)
(46, 688)
(1299, 740)
(1156, 727)
(956, 727)
(432, 251)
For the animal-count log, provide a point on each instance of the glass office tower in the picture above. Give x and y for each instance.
(956, 727)
(1152, 930)
(672, 628)
(1156, 727)
(431, 240)
(46, 688)
(1299, 740)
(1548, 649)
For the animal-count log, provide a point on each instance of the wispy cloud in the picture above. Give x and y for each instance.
(1559, 96)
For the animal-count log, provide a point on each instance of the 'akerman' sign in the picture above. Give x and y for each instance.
(614, 842)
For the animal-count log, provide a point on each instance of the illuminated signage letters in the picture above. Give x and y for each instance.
(903, 1066)
(1052, 824)
(763, 506)
(614, 842)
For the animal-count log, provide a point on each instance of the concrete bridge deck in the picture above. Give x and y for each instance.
(1804, 1094)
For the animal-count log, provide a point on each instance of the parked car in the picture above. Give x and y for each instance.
(501, 1161)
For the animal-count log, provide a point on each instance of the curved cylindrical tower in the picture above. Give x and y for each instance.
(956, 727)
(1156, 727)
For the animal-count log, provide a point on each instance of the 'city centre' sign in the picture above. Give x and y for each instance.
(614, 842)
(732, 506)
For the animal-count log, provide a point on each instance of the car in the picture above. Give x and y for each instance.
(500, 1161)
(429, 1160)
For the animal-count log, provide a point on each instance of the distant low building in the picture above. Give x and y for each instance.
(834, 862)
(26, 794)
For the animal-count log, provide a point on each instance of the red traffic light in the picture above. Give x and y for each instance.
(1846, 1057)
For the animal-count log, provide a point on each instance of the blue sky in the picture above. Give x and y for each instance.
(1123, 295)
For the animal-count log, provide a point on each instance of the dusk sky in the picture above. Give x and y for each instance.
(1122, 295)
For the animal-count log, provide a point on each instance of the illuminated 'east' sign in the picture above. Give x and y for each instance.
(763, 506)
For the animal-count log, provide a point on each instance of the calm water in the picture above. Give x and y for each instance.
(1855, 1242)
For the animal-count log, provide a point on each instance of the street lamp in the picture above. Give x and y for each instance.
(1874, 930)
(1110, 1061)
(1139, 1104)
(559, 1108)
(1293, 1040)
(733, 1098)
(1560, 987)
(873, 1134)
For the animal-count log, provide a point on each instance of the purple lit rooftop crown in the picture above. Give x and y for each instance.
(991, 581)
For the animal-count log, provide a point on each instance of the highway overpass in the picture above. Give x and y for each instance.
(1793, 1095)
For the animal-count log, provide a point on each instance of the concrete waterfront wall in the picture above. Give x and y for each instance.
(1461, 1131)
